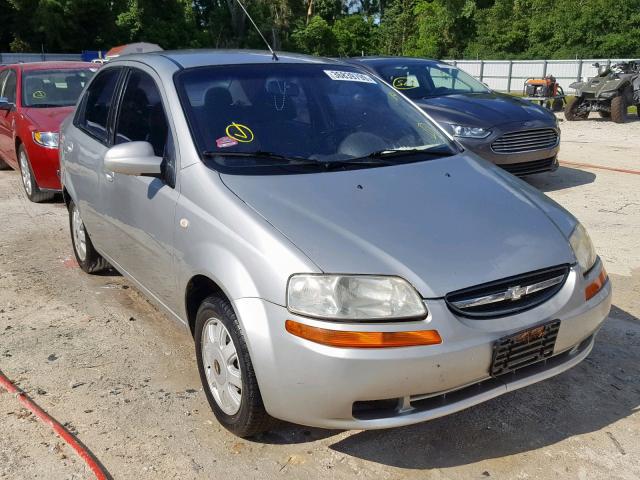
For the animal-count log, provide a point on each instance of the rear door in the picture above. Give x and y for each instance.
(8, 90)
(84, 149)
(140, 210)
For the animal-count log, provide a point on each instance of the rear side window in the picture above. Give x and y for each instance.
(141, 116)
(94, 115)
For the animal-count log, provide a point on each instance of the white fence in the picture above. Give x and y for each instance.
(510, 75)
(6, 58)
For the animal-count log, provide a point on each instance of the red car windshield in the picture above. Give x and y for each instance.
(53, 88)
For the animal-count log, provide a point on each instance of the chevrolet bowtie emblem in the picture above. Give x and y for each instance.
(515, 293)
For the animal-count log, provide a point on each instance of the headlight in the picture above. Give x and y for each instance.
(469, 132)
(353, 297)
(46, 139)
(583, 248)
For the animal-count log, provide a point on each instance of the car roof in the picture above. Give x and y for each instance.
(390, 60)
(201, 58)
(27, 67)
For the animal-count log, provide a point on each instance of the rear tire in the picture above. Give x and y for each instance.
(217, 332)
(619, 109)
(86, 255)
(571, 111)
(29, 180)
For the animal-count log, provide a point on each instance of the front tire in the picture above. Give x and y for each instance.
(226, 370)
(619, 109)
(86, 255)
(29, 180)
(571, 111)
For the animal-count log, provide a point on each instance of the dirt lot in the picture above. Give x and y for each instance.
(94, 354)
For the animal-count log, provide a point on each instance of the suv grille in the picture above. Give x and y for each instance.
(525, 141)
(509, 296)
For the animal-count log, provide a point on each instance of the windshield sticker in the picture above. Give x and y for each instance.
(239, 132)
(405, 83)
(39, 94)
(349, 76)
(224, 142)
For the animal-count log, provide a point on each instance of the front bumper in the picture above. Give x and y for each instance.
(522, 163)
(316, 385)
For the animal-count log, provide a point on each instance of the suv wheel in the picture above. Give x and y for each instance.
(619, 109)
(29, 180)
(571, 110)
(89, 260)
(226, 370)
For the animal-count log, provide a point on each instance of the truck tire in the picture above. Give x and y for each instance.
(604, 114)
(619, 109)
(571, 111)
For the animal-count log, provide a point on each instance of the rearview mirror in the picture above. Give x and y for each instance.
(132, 158)
(4, 104)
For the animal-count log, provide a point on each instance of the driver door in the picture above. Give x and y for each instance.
(139, 211)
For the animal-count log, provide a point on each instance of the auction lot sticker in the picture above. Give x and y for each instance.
(239, 132)
(349, 76)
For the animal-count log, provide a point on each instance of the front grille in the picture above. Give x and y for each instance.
(528, 168)
(508, 296)
(525, 141)
(523, 349)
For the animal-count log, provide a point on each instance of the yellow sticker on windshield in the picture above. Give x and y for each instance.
(404, 83)
(239, 132)
(39, 94)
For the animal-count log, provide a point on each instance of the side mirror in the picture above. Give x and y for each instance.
(4, 104)
(132, 158)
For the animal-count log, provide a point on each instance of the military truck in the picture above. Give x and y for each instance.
(610, 93)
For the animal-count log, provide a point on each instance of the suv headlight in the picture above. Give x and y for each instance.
(353, 297)
(46, 139)
(469, 132)
(583, 248)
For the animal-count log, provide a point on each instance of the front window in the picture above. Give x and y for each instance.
(424, 80)
(247, 117)
(53, 88)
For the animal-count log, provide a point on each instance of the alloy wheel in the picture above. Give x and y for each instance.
(26, 173)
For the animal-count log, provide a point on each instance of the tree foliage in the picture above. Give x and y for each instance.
(429, 28)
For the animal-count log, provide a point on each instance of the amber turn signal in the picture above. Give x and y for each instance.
(351, 339)
(594, 287)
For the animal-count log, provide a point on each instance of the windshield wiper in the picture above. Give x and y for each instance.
(262, 155)
(400, 152)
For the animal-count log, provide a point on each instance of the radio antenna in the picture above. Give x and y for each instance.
(274, 56)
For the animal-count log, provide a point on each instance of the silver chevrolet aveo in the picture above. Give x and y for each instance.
(340, 261)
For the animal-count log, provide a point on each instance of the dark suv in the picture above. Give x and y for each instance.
(517, 135)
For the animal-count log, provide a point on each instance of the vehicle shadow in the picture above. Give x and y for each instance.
(600, 391)
(563, 177)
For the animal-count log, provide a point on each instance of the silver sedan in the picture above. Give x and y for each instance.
(340, 261)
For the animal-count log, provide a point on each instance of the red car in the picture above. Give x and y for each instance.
(34, 100)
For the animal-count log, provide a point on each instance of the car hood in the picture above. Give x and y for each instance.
(484, 109)
(443, 224)
(47, 119)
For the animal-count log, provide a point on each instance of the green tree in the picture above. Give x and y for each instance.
(354, 36)
(316, 38)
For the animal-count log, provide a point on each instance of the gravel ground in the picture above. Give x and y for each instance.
(100, 359)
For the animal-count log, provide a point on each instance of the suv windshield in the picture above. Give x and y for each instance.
(429, 79)
(53, 88)
(310, 115)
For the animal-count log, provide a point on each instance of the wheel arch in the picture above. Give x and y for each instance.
(198, 288)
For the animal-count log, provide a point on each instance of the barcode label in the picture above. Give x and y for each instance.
(349, 76)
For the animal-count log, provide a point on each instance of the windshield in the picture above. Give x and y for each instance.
(303, 114)
(53, 88)
(428, 79)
